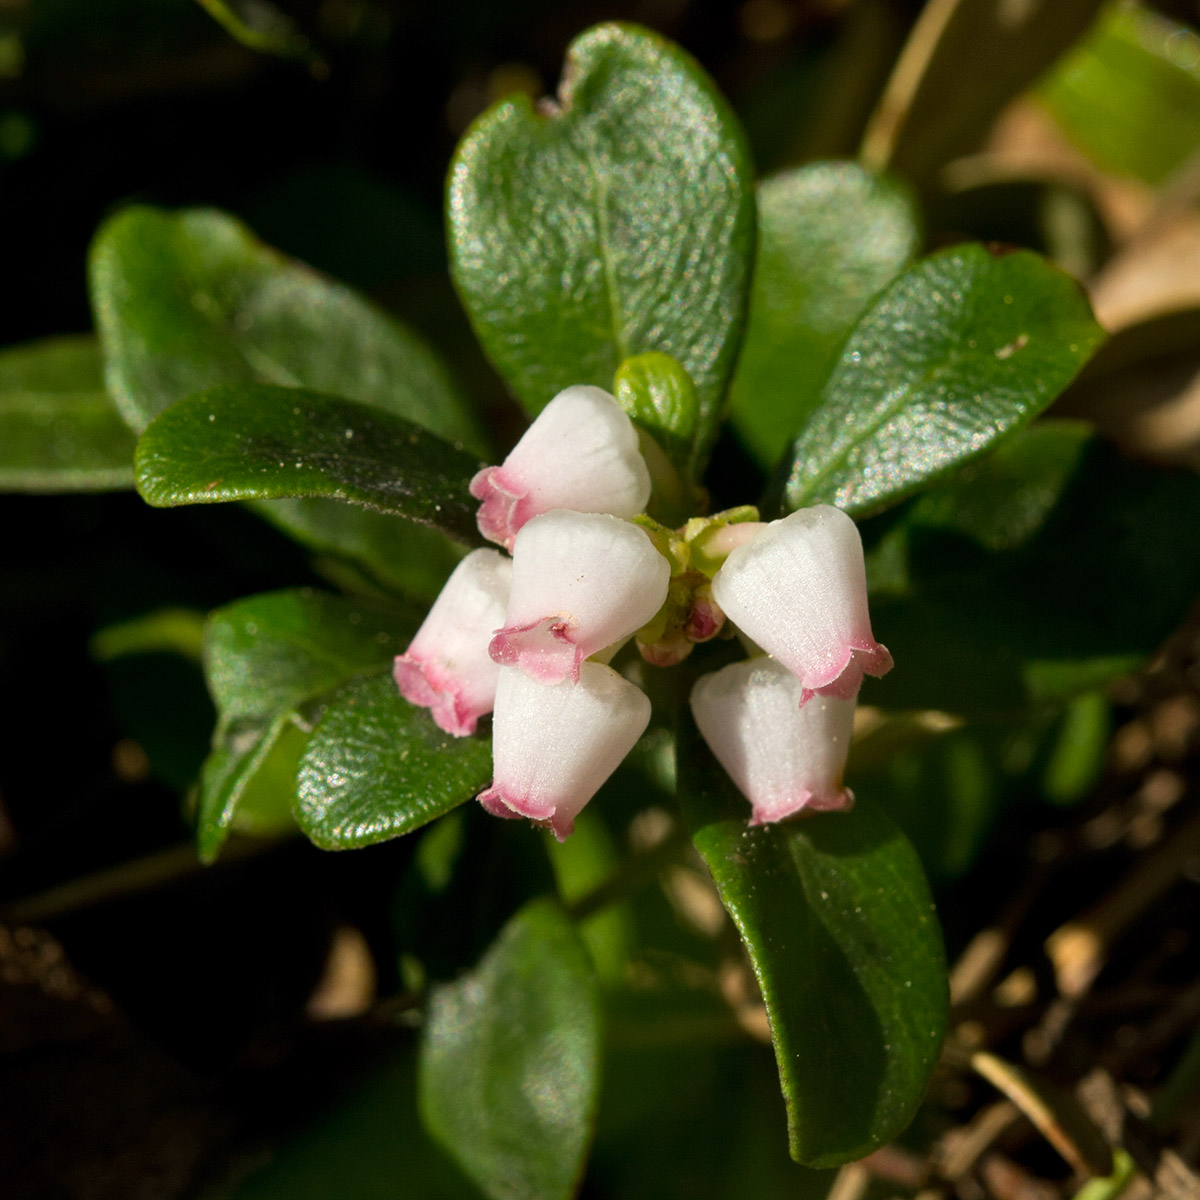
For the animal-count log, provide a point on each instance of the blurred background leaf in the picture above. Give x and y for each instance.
(1129, 94)
(509, 1061)
(830, 236)
(59, 431)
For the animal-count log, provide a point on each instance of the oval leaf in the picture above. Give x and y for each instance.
(844, 940)
(617, 221)
(59, 432)
(188, 300)
(252, 442)
(964, 347)
(508, 1071)
(377, 767)
(830, 236)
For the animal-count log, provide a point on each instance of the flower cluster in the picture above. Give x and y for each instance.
(529, 638)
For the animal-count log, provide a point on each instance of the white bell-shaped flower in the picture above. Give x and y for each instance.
(447, 668)
(581, 452)
(783, 757)
(581, 581)
(799, 590)
(554, 745)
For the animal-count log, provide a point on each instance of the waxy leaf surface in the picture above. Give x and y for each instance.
(965, 347)
(253, 442)
(830, 236)
(509, 1073)
(59, 431)
(377, 767)
(841, 931)
(270, 660)
(618, 221)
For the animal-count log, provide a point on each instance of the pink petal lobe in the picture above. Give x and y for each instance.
(446, 667)
(802, 801)
(423, 683)
(504, 506)
(494, 803)
(799, 590)
(553, 746)
(544, 650)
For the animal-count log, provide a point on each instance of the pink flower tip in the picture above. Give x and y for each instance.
(504, 506)
(562, 825)
(580, 453)
(421, 682)
(544, 650)
(803, 803)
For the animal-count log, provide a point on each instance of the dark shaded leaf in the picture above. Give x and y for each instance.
(262, 26)
(842, 934)
(1038, 573)
(830, 236)
(59, 432)
(509, 1074)
(618, 221)
(367, 1144)
(960, 350)
(253, 442)
(364, 551)
(270, 660)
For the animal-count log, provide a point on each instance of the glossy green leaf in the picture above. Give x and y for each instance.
(1038, 573)
(188, 300)
(254, 442)
(841, 931)
(1129, 94)
(963, 62)
(830, 236)
(963, 348)
(59, 432)
(378, 767)
(270, 660)
(509, 1074)
(617, 221)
